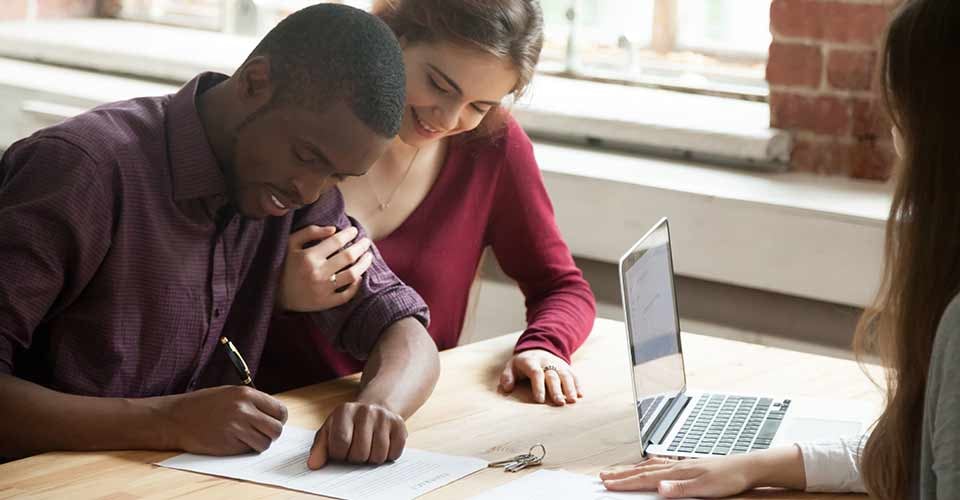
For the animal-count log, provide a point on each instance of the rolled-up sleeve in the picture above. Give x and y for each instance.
(381, 300)
(833, 466)
(56, 218)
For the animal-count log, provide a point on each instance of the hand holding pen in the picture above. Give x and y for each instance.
(225, 420)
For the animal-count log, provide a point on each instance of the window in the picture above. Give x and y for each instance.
(246, 17)
(714, 46)
(205, 14)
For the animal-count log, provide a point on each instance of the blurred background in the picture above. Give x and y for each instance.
(753, 124)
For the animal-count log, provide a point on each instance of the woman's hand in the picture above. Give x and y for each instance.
(551, 378)
(704, 477)
(712, 477)
(325, 275)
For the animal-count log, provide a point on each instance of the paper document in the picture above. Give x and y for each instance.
(285, 464)
(559, 485)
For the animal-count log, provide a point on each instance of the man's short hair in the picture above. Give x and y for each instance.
(329, 51)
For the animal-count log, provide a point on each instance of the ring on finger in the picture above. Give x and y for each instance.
(333, 279)
(549, 368)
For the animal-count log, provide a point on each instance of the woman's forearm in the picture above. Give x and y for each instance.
(780, 467)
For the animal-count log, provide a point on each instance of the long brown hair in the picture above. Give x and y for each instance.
(920, 71)
(508, 29)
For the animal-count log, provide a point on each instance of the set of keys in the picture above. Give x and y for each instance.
(532, 458)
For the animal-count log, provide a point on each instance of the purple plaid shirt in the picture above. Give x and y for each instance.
(121, 264)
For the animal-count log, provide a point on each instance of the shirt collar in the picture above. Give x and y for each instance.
(196, 173)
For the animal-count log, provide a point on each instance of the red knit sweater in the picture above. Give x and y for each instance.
(489, 193)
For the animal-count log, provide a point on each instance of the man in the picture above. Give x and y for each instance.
(134, 236)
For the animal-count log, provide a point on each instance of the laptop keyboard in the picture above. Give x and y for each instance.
(725, 425)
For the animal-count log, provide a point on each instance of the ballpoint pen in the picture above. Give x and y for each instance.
(238, 362)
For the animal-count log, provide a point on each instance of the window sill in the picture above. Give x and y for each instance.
(798, 234)
(675, 124)
(716, 129)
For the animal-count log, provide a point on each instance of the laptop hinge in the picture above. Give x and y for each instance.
(667, 418)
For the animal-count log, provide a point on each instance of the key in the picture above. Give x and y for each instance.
(511, 461)
(523, 464)
(531, 458)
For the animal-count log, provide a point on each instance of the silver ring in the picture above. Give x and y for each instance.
(549, 367)
(333, 278)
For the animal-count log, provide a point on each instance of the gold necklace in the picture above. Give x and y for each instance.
(384, 204)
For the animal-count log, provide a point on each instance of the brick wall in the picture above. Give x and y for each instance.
(46, 9)
(823, 84)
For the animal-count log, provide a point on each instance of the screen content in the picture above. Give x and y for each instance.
(654, 332)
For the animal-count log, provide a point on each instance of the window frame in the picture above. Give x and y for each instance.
(664, 41)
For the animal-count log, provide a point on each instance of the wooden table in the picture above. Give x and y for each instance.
(466, 416)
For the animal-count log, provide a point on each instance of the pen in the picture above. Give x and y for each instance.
(238, 362)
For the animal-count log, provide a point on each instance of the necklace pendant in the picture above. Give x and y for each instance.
(384, 204)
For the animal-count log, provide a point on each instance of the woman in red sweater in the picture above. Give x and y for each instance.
(460, 177)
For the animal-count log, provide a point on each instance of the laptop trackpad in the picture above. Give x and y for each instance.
(816, 429)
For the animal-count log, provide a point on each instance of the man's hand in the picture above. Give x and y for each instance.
(399, 375)
(359, 433)
(225, 420)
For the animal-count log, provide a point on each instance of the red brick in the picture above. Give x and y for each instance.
(808, 156)
(851, 69)
(794, 64)
(66, 8)
(820, 114)
(873, 160)
(870, 119)
(832, 21)
(823, 156)
(854, 23)
(796, 18)
(13, 9)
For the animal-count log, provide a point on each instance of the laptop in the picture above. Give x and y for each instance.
(676, 422)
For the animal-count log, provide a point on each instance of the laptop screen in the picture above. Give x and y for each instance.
(646, 280)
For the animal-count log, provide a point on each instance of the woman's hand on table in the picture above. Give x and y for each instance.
(705, 477)
(780, 467)
(552, 380)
